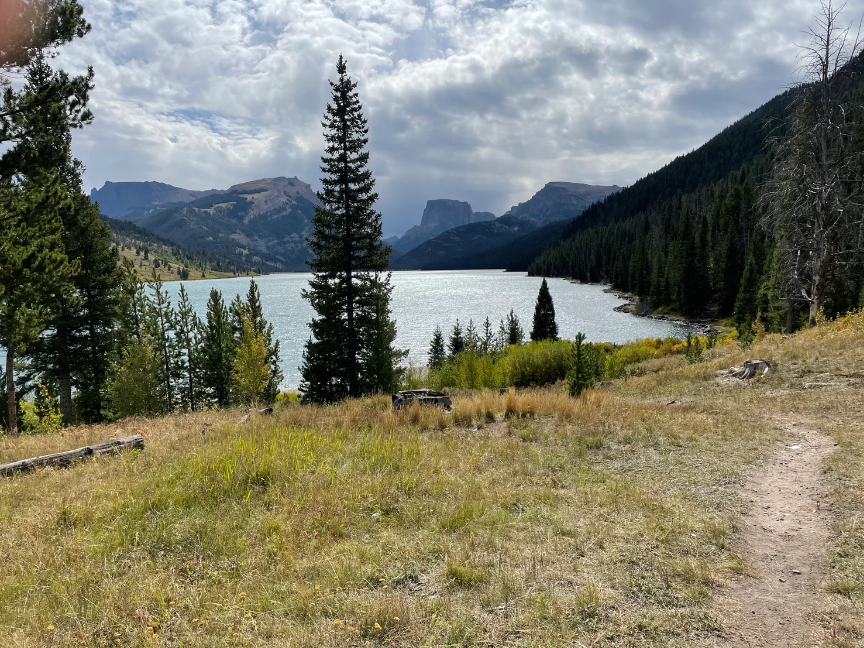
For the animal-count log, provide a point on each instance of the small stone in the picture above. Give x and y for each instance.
(796, 572)
(782, 580)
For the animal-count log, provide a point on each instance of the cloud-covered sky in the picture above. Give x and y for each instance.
(477, 100)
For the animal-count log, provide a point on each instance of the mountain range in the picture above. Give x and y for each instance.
(265, 223)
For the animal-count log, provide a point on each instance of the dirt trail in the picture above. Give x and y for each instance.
(785, 538)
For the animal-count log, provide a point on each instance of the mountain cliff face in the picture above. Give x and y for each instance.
(134, 200)
(458, 242)
(560, 201)
(439, 216)
(264, 222)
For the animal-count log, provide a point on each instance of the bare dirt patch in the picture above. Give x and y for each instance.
(784, 537)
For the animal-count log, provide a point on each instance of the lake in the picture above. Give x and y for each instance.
(424, 300)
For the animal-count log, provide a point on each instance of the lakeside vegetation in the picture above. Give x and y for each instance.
(520, 519)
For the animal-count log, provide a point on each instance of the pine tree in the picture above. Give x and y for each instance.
(487, 343)
(188, 332)
(255, 311)
(77, 350)
(133, 388)
(437, 350)
(545, 327)
(456, 344)
(379, 358)
(472, 340)
(251, 368)
(349, 262)
(217, 350)
(515, 333)
(162, 331)
(34, 268)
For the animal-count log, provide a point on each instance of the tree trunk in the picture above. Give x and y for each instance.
(64, 386)
(10, 389)
(790, 317)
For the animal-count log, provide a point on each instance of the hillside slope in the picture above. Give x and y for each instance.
(264, 222)
(134, 200)
(439, 252)
(712, 162)
(619, 514)
(172, 261)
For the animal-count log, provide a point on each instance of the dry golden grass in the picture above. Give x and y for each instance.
(522, 519)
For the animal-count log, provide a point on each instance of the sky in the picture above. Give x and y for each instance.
(478, 100)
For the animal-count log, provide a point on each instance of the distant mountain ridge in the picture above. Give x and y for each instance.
(132, 200)
(560, 201)
(460, 246)
(263, 222)
(438, 217)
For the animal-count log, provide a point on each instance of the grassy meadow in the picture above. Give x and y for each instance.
(520, 519)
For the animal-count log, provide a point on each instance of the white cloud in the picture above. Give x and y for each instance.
(480, 100)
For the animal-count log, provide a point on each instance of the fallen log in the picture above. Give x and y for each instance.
(111, 446)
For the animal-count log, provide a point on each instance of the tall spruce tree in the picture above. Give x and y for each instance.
(217, 350)
(188, 332)
(349, 291)
(34, 268)
(456, 344)
(545, 327)
(162, 331)
(515, 333)
(437, 349)
(254, 311)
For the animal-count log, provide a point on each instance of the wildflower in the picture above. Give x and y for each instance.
(248, 615)
(50, 627)
(377, 626)
(395, 618)
(195, 620)
(274, 602)
(243, 595)
(385, 587)
(337, 623)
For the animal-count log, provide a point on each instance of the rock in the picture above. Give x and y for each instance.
(560, 201)
(438, 217)
(750, 368)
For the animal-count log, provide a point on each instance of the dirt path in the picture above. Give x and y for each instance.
(785, 538)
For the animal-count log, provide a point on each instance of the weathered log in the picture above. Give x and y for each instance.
(404, 399)
(111, 446)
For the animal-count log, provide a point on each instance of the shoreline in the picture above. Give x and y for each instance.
(635, 307)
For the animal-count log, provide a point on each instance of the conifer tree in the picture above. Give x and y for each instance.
(253, 309)
(34, 268)
(251, 368)
(188, 332)
(487, 343)
(515, 333)
(133, 388)
(162, 331)
(349, 290)
(379, 358)
(456, 343)
(472, 340)
(545, 327)
(437, 350)
(217, 350)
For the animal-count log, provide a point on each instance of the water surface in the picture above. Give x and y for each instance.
(424, 300)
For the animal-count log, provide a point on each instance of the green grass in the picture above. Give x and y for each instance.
(523, 519)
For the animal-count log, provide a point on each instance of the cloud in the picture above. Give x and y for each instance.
(479, 100)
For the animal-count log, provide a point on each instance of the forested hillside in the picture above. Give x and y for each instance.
(728, 230)
(149, 252)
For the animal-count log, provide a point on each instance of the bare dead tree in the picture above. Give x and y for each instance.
(813, 198)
